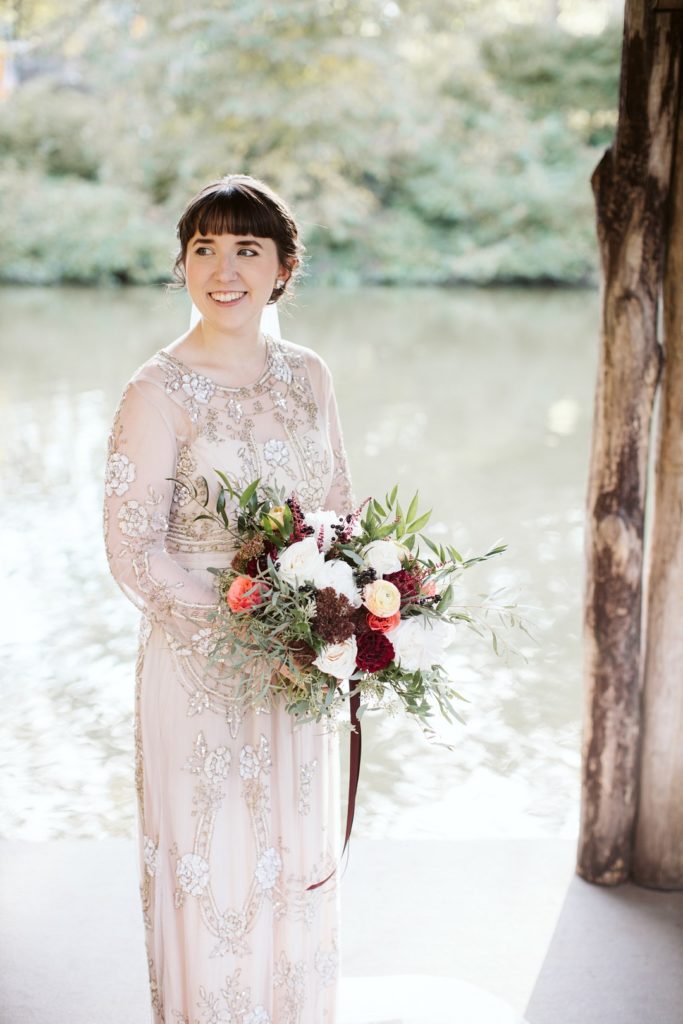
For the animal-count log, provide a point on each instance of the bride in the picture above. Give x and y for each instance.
(237, 812)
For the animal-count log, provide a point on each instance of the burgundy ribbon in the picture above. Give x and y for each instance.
(354, 775)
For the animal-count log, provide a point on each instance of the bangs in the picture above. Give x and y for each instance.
(235, 213)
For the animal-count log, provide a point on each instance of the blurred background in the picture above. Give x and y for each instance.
(437, 157)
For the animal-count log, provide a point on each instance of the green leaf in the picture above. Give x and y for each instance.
(392, 499)
(419, 523)
(412, 509)
(249, 492)
(431, 544)
(446, 598)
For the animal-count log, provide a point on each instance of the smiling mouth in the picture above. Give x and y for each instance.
(227, 298)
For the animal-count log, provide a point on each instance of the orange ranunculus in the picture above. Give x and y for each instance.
(383, 625)
(237, 596)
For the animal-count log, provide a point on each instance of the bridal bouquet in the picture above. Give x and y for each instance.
(320, 607)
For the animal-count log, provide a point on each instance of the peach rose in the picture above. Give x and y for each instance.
(383, 625)
(276, 513)
(428, 588)
(382, 598)
(237, 596)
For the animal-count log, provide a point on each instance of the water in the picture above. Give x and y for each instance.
(481, 399)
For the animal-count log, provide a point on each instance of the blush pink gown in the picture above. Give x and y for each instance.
(237, 812)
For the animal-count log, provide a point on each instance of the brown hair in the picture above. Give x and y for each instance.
(239, 204)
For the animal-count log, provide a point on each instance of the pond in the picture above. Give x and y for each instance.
(481, 399)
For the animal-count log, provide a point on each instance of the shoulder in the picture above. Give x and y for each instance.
(303, 356)
(152, 384)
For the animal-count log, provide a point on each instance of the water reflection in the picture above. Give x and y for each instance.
(481, 399)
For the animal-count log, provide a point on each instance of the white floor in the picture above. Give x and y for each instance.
(420, 999)
(431, 932)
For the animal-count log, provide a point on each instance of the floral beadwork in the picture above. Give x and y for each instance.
(268, 868)
(192, 872)
(120, 474)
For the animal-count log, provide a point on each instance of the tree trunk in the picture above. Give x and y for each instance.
(658, 851)
(630, 185)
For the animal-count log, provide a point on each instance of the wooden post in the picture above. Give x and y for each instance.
(631, 185)
(658, 850)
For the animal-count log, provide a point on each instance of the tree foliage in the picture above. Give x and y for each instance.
(414, 145)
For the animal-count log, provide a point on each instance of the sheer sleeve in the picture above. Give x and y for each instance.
(340, 497)
(142, 452)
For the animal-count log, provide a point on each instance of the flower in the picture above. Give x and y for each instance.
(217, 763)
(192, 871)
(328, 519)
(406, 582)
(276, 452)
(268, 867)
(375, 651)
(338, 575)
(133, 519)
(385, 624)
(197, 386)
(385, 555)
(238, 597)
(419, 643)
(332, 620)
(300, 562)
(259, 1015)
(276, 513)
(247, 553)
(120, 473)
(338, 660)
(151, 856)
(382, 598)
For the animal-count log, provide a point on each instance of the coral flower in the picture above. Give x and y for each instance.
(237, 596)
(385, 624)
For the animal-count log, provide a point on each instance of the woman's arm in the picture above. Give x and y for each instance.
(340, 497)
(142, 452)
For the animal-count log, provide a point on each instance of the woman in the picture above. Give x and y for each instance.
(237, 810)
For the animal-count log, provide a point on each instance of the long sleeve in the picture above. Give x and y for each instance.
(142, 453)
(340, 497)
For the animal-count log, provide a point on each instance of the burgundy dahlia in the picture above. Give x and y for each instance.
(375, 651)
(406, 582)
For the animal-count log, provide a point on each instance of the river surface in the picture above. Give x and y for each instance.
(482, 399)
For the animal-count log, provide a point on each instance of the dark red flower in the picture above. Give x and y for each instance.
(375, 651)
(260, 564)
(406, 582)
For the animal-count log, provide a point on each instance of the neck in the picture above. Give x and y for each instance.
(231, 349)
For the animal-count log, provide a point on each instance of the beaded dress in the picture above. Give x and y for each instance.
(237, 811)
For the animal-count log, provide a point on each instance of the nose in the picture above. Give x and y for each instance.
(226, 267)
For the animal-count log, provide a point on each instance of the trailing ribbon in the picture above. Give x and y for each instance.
(354, 775)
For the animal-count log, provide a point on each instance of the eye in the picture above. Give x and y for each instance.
(252, 251)
(199, 249)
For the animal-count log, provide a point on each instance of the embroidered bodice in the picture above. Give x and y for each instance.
(172, 422)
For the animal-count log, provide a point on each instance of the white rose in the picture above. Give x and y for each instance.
(384, 555)
(419, 642)
(325, 518)
(300, 562)
(338, 575)
(338, 660)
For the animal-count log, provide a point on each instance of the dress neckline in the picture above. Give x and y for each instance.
(227, 387)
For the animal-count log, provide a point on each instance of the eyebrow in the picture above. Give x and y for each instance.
(242, 241)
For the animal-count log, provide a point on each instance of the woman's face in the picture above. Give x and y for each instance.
(231, 277)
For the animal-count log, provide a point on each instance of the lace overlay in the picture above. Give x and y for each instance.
(238, 812)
